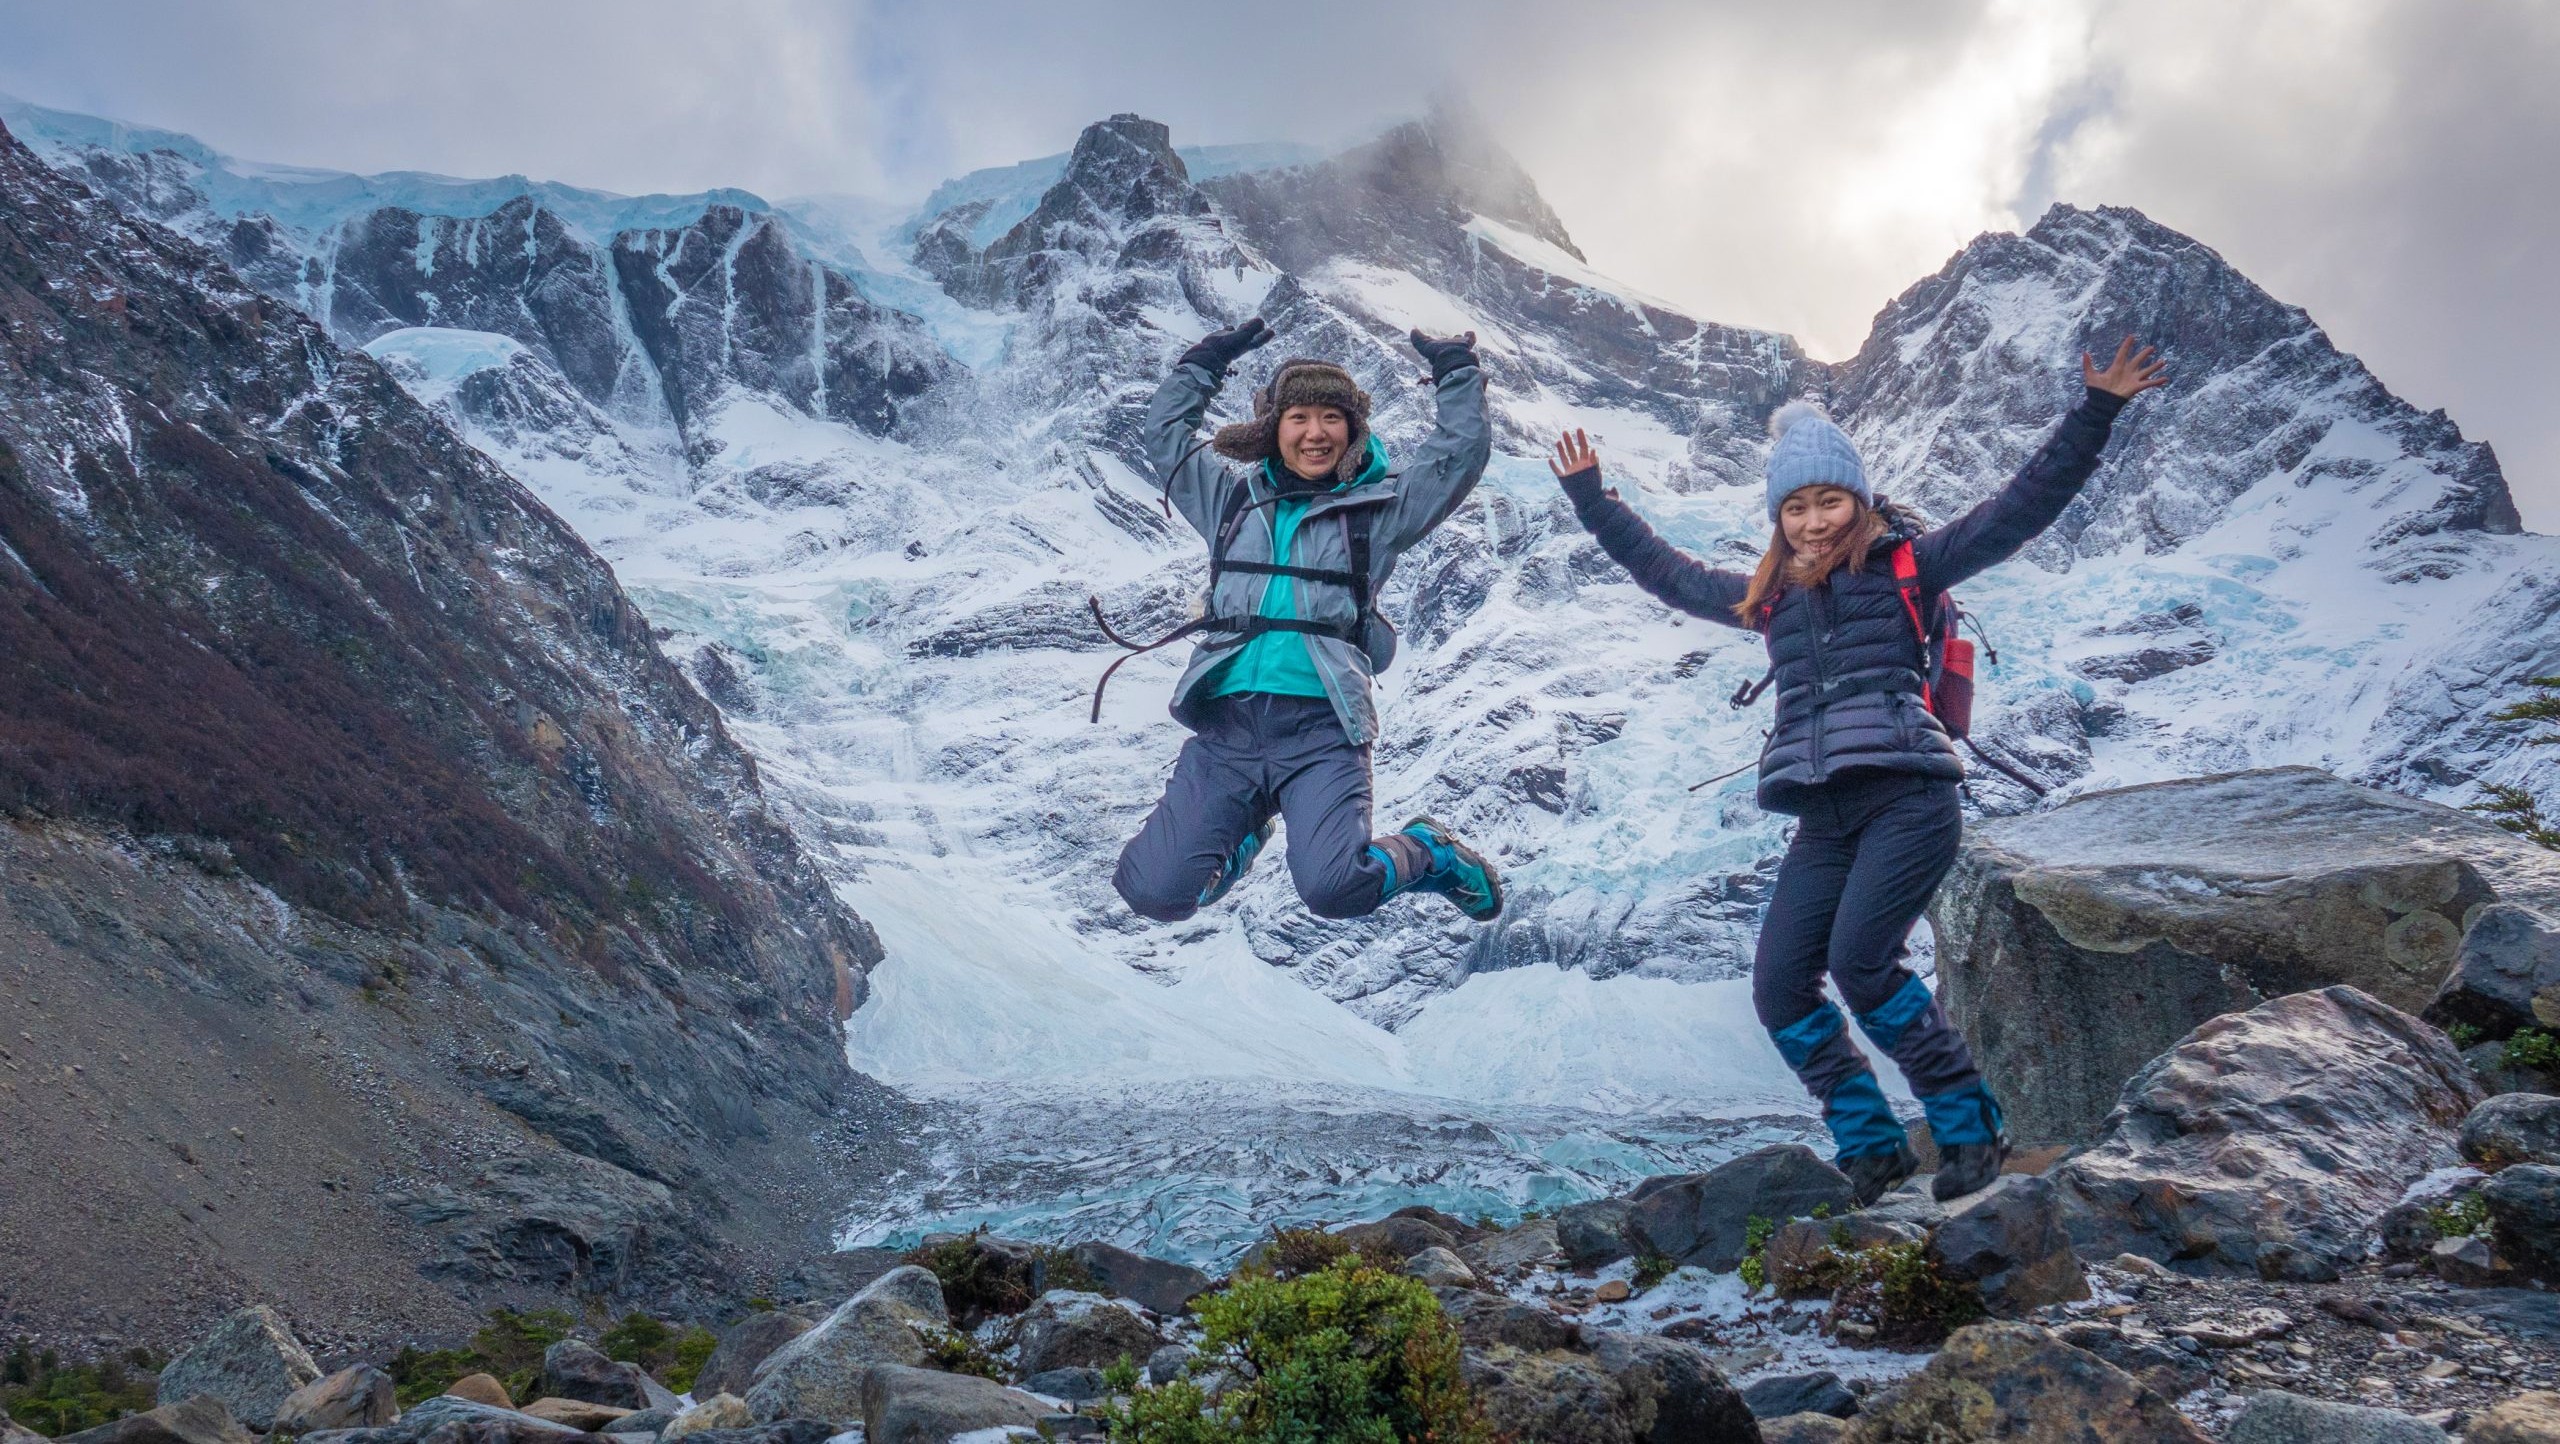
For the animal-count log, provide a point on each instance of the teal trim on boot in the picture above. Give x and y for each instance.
(1860, 1121)
(1963, 1116)
(1458, 872)
(1238, 863)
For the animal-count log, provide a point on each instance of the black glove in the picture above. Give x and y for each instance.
(1445, 355)
(1218, 350)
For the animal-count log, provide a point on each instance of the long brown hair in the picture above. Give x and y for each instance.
(1780, 567)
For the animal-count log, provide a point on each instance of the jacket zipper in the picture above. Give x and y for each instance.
(1817, 630)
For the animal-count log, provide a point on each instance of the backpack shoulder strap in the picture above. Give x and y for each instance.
(1906, 579)
(1356, 522)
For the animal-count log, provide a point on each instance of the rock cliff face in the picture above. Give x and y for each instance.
(373, 878)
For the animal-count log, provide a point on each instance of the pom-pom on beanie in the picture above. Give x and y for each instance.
(1806, 449)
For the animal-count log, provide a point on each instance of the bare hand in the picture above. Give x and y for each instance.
(2130, 374)
(1573, 453)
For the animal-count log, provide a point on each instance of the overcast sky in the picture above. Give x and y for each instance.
(2391, 165)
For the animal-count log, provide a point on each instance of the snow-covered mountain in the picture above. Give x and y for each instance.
(862, 468)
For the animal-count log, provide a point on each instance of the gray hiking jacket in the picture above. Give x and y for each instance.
(1405, 505)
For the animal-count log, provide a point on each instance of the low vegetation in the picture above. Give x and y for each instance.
(42, 1393)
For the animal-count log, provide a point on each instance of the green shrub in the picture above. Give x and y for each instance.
(1755, 1251)
(1295, 1253)
(1350, 1354)
(954, 1352)
(509, 1346)
(2533, 1048)
(1897, 1293)
(2463, 1035)
(2459, 1217)
(978, 1282)
(1652, 1268)
(670, 1355)
(42, 1393)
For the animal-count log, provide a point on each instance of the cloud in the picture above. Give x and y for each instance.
(2383, 163)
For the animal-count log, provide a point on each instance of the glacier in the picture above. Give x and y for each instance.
(862, 465)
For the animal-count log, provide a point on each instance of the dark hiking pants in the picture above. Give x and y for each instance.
(1254, 755)
(1870, 848)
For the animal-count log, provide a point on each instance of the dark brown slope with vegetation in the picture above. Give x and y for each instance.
(376, 901)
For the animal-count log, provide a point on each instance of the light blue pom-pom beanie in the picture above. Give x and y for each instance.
(1808, 450)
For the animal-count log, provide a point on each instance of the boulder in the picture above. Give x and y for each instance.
(784, 1431)
(1803, 1429)
(2513, 1128)
(647, 1421)
(481, 1389)
(1554, 1397)
(1075, 1386)
(2471, 1262)
(819, 1374)
(1397, 1234)
(1070, 1330)
(251, 1362)
(2172, 1373)
(2078, 943)
(1593, 1233)
(1703, 1219)
(199, 1420)
(1165, 1288)
(1673, 1394)
(719, 1411)
(2010, 1381)
(575, 1369)
(1819, 1392)
(1450, 1224)
(2506, 973)
(987, 1275)
(13, 1432)
(453, 1420)
(743, 1348)
(1167, 1363)
(1510, 1250)
(902, 1405)
(2011, 1243)
(357, 1398)
(578, 1414)
(2266, 1142)
(2524, 1217)
(2532, 1418)
(1438, 1266)
(1486, 1321)
(2272, 1416)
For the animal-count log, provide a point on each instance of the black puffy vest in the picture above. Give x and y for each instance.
(1847, 673)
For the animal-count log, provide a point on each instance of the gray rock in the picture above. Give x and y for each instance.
(1593, 1233)
(743, 1348)
(2010, 1242)
(2078, 943)
(2406, 1231)
(838, 1275)
(1485, 1321)
(1551, 1396)
(354, 1398)
(460, 1421)
(1398, 1234)
(1164, 1287)
(251, 1362)
(1803, 1429)
(2524, 1217)
(647, 1421)
(2268, 1141)
(1438, 1266)
(1799, 1255)
(1672, 1384)
(1509, 1250)
(2507, 973)
(717, 1412)
(2273, 1416)
(2513, 1128)
(2528, 1418)
(1069, 1330)
(199, 1420)
(2037, 1387)
(1702, 1219)
(1166, 1364)
(2471, 1262)
(2171, 1373)
(575, 1369)
(1076, 1385)
(902, 1405)
(785, 1431)
(819, 1374)
(1819, 1392)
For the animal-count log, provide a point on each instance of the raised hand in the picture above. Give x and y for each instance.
(1573, 454)
(1218, 350)
(1446, 354)
(2130, 374)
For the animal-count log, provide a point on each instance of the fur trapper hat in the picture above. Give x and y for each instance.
(1301, 381)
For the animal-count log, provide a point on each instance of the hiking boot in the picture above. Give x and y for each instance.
(1458, 872)
(1238, 863)
(1873, 1175)
(1968, 1168)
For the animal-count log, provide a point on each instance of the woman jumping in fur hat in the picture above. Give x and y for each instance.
(1868, 771)
(1301, 539)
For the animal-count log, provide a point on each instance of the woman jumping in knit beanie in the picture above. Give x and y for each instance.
(1302, 534)
(1870, 775)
